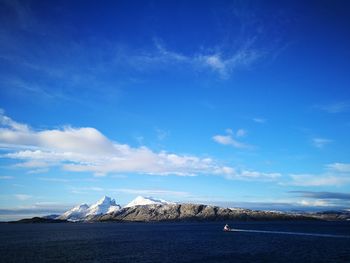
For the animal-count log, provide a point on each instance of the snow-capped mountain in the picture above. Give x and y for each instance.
(140, 200)
(75, 214)
(103, 206)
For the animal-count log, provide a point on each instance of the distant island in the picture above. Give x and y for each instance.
(147, 209)
(37, 219)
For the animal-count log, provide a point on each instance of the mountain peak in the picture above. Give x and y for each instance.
(106, 200)
(82, 206)
(141, 200)
(103, 206)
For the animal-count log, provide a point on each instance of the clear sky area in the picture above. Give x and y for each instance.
(231, 103)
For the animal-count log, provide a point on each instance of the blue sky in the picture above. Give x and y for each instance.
(235, 103)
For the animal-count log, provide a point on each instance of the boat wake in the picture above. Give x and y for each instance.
(288, 233)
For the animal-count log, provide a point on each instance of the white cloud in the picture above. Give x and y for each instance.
(243, 57)
(318, 180)
(22, 197)
(339, 167)
(314, 203)
(88, 150)
(255, 174)
(335, 174)
(320, 142)
(215, 63)
(243, 174)
(8, 122)
(228, 139)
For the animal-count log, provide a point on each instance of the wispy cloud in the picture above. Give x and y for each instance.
(318, 180)
(161, 134)
(38, 171)
(86, 190)
(54, 180)
(320, 142)
(241, 133)
(229, 139)
(252, 175)
(336, 107)
(259, 120)
(322, 195)
(133, 191)
(22, 197)
(223, 65)
(94, 62)
(335, 174)
(7, 122)
(37, 209)
(6, 177)
(88, 150)
(282, 205)
(25, 53)
(315, 203)
(339, 167)
(322, 199)
(153, 192)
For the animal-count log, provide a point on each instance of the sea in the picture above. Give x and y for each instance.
(175, 242)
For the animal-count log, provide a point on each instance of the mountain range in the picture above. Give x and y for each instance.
(105, 205)
(148, 209)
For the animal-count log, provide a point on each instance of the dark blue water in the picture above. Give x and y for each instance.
(174, 242)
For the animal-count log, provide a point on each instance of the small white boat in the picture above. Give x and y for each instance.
(227, 228)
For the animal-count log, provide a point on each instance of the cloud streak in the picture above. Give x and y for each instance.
(6, 177)
(37, 209)
(339, 167)
(320, 142)
(22, 197)
(318, 180)
(259, 120)
(322, 195)
(152, 192)
(223, 65)
(336, 107)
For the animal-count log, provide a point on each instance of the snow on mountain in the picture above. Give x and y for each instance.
(103, 206)
(140, 200)
(76, 213)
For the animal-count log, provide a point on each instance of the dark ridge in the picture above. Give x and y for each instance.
(38, 220)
